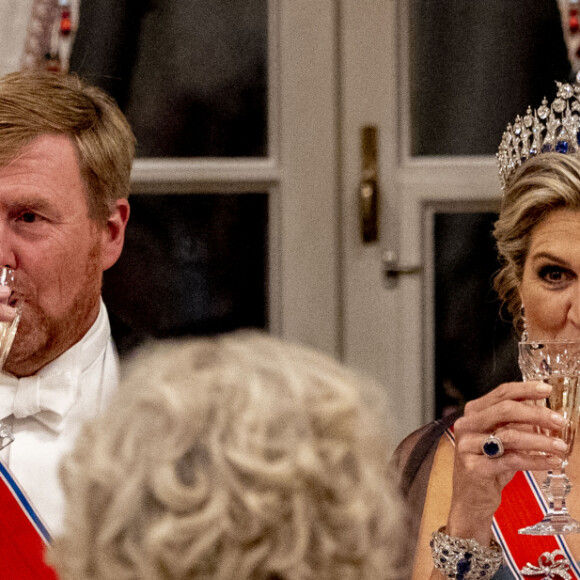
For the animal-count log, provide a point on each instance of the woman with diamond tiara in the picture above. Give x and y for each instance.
(470, 481)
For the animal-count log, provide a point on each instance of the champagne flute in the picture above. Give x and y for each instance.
(558, 364)
(7, 333)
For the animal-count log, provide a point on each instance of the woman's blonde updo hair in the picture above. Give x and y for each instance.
(241, 457)
(543, 183)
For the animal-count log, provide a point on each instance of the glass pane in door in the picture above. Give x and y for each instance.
(191, 75)
(191, 265)
(475, 66)
(475, 345)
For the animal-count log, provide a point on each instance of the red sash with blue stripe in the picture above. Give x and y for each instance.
(23, 536)
(523, 504)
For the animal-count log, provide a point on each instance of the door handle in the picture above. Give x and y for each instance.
(392, 269)
(368, 194)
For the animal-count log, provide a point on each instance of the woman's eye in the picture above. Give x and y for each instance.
(554, 274)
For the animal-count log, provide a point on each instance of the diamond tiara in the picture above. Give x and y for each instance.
(553, 127)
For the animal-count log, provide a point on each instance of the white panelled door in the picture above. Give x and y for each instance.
(388, 328)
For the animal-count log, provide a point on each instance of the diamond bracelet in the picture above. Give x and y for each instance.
(464, 559)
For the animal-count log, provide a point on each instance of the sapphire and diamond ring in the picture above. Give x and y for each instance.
(493, 447)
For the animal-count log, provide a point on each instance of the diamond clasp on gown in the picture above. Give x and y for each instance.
(550, 566)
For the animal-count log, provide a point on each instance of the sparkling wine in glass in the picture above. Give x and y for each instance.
(558, 364)
(7, 333)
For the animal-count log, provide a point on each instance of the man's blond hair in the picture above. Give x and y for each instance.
(39, 103)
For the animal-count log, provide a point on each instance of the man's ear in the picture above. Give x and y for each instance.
(114, 234)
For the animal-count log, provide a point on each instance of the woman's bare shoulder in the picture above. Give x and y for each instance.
(415, 452)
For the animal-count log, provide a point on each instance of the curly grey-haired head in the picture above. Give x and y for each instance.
(239, 457)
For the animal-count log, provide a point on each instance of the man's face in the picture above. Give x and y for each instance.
(58, 252)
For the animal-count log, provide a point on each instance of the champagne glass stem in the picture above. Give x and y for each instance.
(556, 488)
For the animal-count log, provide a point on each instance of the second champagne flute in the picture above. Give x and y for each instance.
(7, 333)
(558, 364)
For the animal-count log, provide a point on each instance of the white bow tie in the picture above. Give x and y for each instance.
(47, 398)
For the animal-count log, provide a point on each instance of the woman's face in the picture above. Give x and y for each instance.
(550, 287)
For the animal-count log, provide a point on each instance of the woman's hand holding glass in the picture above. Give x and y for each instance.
(478, 480)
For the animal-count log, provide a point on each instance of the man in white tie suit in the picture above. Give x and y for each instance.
(66, 152)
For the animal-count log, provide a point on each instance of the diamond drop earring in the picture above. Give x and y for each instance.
(524, 337)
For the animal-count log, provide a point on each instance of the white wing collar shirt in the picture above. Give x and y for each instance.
(47, 410)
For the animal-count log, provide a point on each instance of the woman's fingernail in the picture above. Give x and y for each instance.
(559, 445)
(558, 419)
(556, 461)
